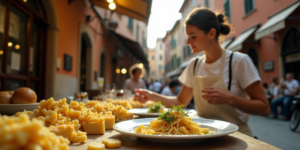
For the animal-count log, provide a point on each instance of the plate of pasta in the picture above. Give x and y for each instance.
(154, 110)
(175, 126)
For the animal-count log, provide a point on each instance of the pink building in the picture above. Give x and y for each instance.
(268, 31)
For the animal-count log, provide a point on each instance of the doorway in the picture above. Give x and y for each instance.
(291, 52)
(83, 65)
(254, 57)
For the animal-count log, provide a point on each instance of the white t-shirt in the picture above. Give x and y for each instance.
(167, 91)
(131, 85)
(244, 73)
(157, 85)
(291, 86)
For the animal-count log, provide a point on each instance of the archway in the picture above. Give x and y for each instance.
(291, 52)
(254, 57)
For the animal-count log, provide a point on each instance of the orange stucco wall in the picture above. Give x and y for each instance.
(69, 17)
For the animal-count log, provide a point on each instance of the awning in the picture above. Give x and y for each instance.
(226, 42)
(174, 73)
(276, 22)
(138, 9)
(237, 44)
(131, 46)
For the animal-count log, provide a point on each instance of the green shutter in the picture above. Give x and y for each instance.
(248, 6)
(227, 9)
(184, 53)
(137, 33)
(206, 3)
(130, 23)
(178, 62)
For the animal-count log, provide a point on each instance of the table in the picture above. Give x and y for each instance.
(234, 141)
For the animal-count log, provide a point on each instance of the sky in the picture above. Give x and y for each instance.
(164, 14)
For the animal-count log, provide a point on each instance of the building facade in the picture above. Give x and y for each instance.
(59, 47)
(268, 31)
(159, 59)
(152, 65)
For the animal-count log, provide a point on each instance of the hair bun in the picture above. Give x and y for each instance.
(221, 18)
(225, 27)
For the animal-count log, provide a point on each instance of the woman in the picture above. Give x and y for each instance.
(220, 90)
(135, 82)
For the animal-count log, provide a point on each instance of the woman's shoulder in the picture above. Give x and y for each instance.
(237, 56)
(193, 60)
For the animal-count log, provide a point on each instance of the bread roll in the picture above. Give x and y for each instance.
(24, 96)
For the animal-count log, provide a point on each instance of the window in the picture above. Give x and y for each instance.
(153, 57)
(178, 61)
(144, 42)
(206, 3)
(291, 40)
(25, 46)
(130, 23)
(184, 52)
(187, 9)
(253, 55)
(160, 68)
(248, 6)
(227, 9)
(120, 15)
(161, 46)
(199, 5)
(160, 57)
(137, 33)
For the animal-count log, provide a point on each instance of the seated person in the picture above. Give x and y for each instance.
(171, 89)
(290, 87)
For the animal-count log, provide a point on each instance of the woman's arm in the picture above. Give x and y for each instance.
(183, 98)
(257, 105)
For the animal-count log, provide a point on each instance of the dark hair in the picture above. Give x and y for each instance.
(265, 85)
(291, 74)
(275, 79)
(135, 70)
(205, 19)
(173, 83)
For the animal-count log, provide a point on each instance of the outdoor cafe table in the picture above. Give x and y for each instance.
(234, 141)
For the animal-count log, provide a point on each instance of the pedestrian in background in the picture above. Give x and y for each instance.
(135, 81)
(290, 87)
(170, 90)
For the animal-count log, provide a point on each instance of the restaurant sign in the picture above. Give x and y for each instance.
(269, 66)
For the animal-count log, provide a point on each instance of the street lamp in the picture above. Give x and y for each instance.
(118, 71)
(141, 65)
(123, 71)
(112, 6)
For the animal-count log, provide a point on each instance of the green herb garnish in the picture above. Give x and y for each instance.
(155, 107)
(169, 118)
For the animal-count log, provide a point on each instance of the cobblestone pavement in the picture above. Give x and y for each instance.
(275, 132)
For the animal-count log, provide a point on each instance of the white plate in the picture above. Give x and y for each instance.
(143, 112)
(221, 128)
(10, 109)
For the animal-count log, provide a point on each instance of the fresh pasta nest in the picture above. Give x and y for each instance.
(173, 122)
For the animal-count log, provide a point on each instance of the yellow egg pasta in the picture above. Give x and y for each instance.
(173, 122)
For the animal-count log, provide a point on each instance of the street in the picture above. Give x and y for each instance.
(275, 132)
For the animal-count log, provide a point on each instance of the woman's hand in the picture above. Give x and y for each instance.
(142, 95)
(216, 96)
